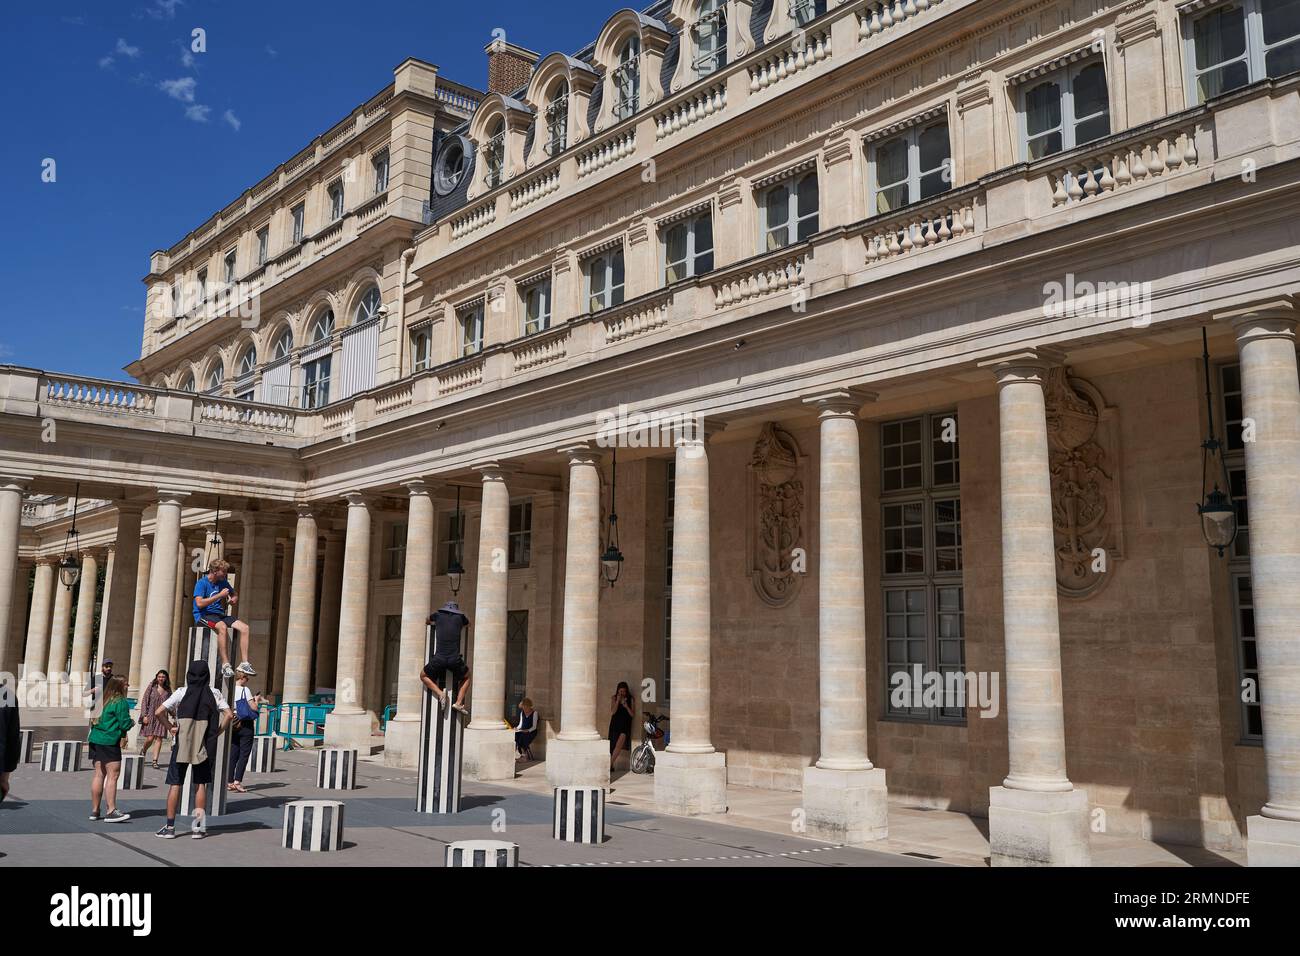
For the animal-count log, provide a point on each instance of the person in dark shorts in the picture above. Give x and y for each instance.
(214, 599)
(106, 751)
(448, 625)
(201, 714)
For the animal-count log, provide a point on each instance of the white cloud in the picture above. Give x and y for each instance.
(181, 89)
(75, 21)
(272, 50)
(198, 112)
(126, 49)
(163, 9)
(232, 120)
(187, 60)
(105, 62)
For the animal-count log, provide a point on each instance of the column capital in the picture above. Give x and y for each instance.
(580, 453)
(356, 499)
(841, 401)
(307, 509)
(1026, 365)
(15, 483)
(496, 470)
(418, 487)
(169, 497)
(1275, 318)
(130, 507)
(697, 432)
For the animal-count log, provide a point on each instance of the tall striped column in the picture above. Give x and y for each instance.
(202, 646)
(442, 741)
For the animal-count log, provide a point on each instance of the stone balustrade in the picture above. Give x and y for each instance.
(802, 50)
(477, 218)
(906, 231)
(1129, 163)
(769, 276)
(78, 392)
(692, 109)
(224, 411)
(542, 349)
(531, 190)
(607, 151)
(877, 16)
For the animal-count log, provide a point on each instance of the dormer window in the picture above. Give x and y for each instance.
(710, 33)
(494, 155)
(803, 12)
(627, 79)
(557, 120)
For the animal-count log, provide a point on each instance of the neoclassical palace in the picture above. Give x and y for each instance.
(863, 339)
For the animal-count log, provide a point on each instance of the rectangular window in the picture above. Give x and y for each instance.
(710, 37)
(453, 542)
(688, 248)
(605, 277)
(789, 212)
(911, 167)
(316, 383)
(298, 214)
(516, 661)
(803, 12)
(380, 164)
(536, 299)
(203, 285)
(336, 200)
(230, 267)
(263, 244)
(1233, 44)
(921, 563)
(1252, 724)
(521, 534)
(1065, 109)
(394, 561)
(420, 351)
(471, 329)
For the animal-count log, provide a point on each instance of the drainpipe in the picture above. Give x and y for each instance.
(407, 256)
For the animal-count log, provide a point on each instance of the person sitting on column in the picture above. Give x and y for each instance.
(213, 597)
(195, 708)
(525, 730)
(448, 623)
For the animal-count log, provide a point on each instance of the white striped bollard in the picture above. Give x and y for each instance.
(313, 826)
(202, 646)
(61, 756)
(24, 746)
(466, 853)
(579, 814)
(263, 759)
(132, 775)
(442, 737)
(336, 769)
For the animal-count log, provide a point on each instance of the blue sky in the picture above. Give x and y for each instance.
(149, 140)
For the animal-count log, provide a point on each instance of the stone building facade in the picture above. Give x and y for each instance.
(879, 326)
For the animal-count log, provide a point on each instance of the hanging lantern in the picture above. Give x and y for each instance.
(454, 569)
(1217, 510)
(69, 566)
(611, 561)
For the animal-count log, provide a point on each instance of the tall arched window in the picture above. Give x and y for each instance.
(215, 378)
(494, 155)
(247, 362)
(323, 327)
(283, 346)
(627, 79)
(369, 306)
(316, 373)
(557, 119)
(711, 37)
(188, 384)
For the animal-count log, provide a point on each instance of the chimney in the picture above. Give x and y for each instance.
(509, 66)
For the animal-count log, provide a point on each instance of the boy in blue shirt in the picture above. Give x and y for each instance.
(213, 595)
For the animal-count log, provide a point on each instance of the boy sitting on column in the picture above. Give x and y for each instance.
(448, 623)
(213, 596)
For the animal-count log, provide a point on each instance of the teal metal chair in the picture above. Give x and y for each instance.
(386, 716)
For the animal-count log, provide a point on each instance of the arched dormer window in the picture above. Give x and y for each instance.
(498, 131)
(627, 79)
(709, 37)
(559, 94)
(630, 53)
(557, 119)
(368, 309)
(494, 155)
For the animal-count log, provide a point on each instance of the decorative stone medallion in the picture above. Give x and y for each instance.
(777, 502)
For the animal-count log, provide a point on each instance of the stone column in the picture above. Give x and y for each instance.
(282, 604)
(349, 725)
(105, 601)
(331, 597)
(83, 630)
(33, 687)
(56, 666)
(161, 605)
(144, 567)
(182, 612)
(691, 776)
(18, 618)
(119, 612)
(489, 743)
(402, 733)
(256, 591)
(1270, 397)
(302, 609)
(1036, 817)
(11, 512)
(578, 757)
(844, 794)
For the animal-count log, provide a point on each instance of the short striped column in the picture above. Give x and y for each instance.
(482, 853)
(263, 759)
(442, 747)
(132, 775)
(24, 746)
(579, 814)
(313, 826)
(336, 769)
(202, 646)
(61, 756)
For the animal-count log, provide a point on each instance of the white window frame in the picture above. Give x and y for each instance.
(693, 252)
(283, 347)
(532, 325)
(556, 120)
(230, 265)
(1255, 55)
(379, 162)
(792, 223)
(626, 79)
(369, 306)
(611, 295)
(1064, 77)
(298, 222)
(216, 378)
(469, 321)
(247, 367)
(263, 245)
(421, 342)
(710, 62)
(494, 158)
(335, 193)
(915, 173)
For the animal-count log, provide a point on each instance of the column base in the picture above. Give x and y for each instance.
(690, 784)
(577, 763)
(402, 744)
(845, 806)
(1271, 842)
(348, 732)
(1033, 828)
(489, 754)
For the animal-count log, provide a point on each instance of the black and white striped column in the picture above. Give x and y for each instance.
(24, 746)
(263, 759)
(336, 769)
(202, 646)
(61, 756)
(132, 775)
(313, 826)
(482, 853)
(579, 814)
(442, 736)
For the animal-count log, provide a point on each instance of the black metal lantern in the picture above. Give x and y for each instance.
(69, 566)
(611, 561)
(1218, 512)
(454, 569)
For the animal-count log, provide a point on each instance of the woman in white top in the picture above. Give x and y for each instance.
(247, 708)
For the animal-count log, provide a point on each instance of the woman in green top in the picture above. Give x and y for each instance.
(106, 750)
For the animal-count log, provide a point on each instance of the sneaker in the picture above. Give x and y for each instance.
(199, 827)
(116, 816)
(93, 818)
(227, 671)
(462, 708)
(246, 668)
(166, 833)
